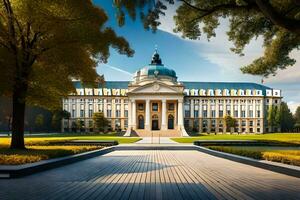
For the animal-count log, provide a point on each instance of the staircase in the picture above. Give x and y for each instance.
(159, 133)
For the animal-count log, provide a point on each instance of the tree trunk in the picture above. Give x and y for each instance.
(19, 103)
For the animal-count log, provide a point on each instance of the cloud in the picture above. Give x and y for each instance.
(114, 73)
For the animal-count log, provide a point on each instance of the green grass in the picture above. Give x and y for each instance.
(49, 146)
(46, 140)
(293, 138)
(276, 154)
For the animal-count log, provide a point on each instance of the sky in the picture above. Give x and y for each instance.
(193, 60)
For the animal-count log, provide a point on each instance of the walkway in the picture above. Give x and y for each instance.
(156, 140)
(152, 174)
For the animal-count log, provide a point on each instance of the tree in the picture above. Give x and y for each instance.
(230, 123)
(44, 44)
(39, 121)
(58, 115)
(297, 118)
(297, 115)
(276, 21)
(287, 121)
(100, 122)
(271, 117)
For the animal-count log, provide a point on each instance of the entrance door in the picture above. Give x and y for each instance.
(141, 122)
(170, 122)
(155, 124)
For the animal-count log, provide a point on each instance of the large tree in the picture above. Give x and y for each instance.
(276, 21)
(46, 43)
(286, 120)
(297, 117)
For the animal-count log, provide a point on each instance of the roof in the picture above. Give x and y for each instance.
(191, 85)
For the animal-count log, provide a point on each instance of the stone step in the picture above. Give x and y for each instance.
(159, 133)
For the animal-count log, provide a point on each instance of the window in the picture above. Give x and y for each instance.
(125, 123)
(171, 106)
(81, 110)
(154, 106)
(213, 113)
(90, 110)
(196, 113)
(126, 110)
(243, 123)
(140, 106)
(118, 110)
(186, 110)
(205, 113)
(108, 111)
(228, 112)
(250, 123)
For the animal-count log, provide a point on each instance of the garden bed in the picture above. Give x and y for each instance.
(286, 155)
(37, 153)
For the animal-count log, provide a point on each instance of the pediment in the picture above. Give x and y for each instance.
(153, 88)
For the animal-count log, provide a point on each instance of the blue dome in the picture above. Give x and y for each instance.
(158, 70)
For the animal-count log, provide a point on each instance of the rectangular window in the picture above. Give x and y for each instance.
(126, 123)
(126, 110)
(196, 113)
(140, 106)
(90, 110)
(204, 113)
(154, 106)
(213, 113)
(186, 110)
(81, 113)
(171, 106)
(258, 114)
(221, 113)
(118, 110)
(108, 112)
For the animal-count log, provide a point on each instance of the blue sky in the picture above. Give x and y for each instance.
(192, 60)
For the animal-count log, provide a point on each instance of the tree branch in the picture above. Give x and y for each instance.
(269, 12)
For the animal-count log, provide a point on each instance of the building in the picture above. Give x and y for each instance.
(155, 101)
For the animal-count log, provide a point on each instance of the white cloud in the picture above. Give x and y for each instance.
(114, 73)
(293, 105)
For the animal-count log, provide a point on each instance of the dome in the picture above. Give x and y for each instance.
(155, 70)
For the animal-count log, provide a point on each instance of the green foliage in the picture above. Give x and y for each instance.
(39, 120)
(100, 121)
(276, 21)
(297, 116)
(289, 138)
(53, 41)
(44, 44)
(291, 157)
(230, 122)
(286, 118)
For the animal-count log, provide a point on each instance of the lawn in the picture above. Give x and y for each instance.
(293, 138)
(48, 139)
(46, 147)
(287, 155)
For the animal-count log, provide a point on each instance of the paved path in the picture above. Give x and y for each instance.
(153, 174)
(156, 140)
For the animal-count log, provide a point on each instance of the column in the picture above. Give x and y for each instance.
(128, 131)
(192, 107)
(180, 118)
(133, 114)
(147, 115)
(180, 113)
(163, 115)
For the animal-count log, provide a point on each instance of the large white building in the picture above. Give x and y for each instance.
(156, 102)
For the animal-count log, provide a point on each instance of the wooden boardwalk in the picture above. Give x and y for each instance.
(153, 174)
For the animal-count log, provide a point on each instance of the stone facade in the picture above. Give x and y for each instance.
(154, 100)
